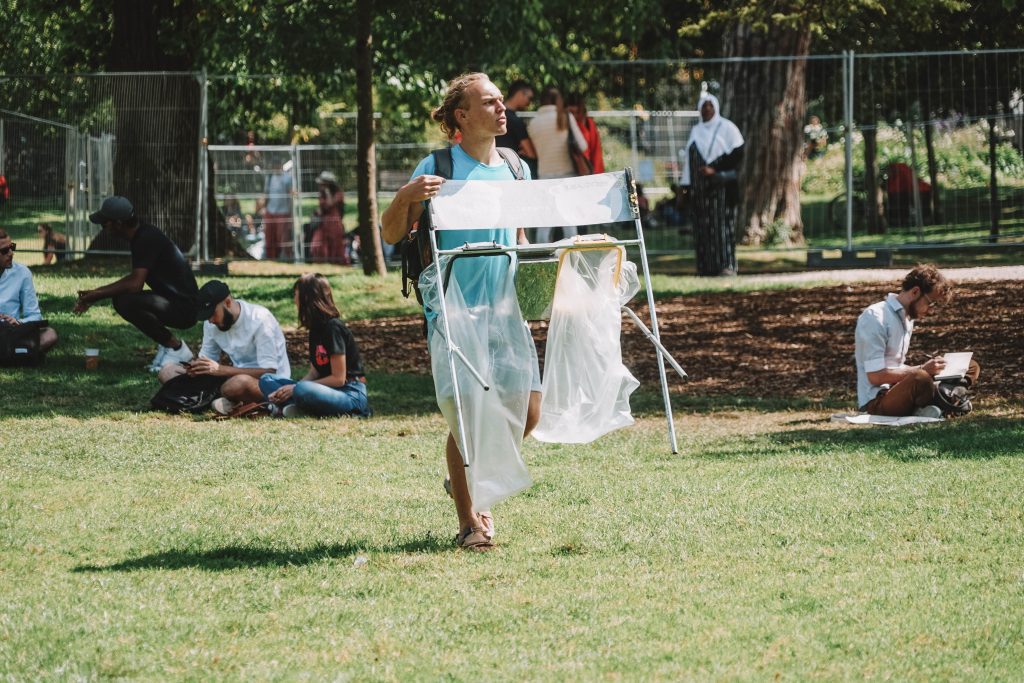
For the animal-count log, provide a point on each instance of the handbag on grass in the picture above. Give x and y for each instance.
(185, 394)
(580, 162)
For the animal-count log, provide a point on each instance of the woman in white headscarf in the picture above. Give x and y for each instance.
(710, 163)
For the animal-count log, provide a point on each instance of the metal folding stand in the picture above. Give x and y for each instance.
(539, 195)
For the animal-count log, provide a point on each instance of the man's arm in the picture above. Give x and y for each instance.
(405, 208)
(131, 283)
(527, 149)
(29, 302)
(933, 367)
(205, 366)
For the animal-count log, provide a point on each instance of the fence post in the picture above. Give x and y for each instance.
(632, 137)
(848, 122)
(298, 237)
(202, 208)
(915, 190)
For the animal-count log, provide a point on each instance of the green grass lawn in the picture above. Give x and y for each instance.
(775, 544)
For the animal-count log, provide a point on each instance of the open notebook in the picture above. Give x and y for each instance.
(956, 365)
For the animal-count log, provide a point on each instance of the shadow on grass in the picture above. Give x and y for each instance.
(976, 437)
(228, 558)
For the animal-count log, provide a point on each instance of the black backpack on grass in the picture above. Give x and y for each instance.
(415, 248)
(19, 344)
(185, 394)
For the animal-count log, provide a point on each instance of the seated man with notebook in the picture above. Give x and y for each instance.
(885, 384)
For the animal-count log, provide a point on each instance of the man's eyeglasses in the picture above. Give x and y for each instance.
(931, 304)
(8, 249)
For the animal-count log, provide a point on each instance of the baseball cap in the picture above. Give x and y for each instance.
(328, 178)
(113, 209)
(210, 294)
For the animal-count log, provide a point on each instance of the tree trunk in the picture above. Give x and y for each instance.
(933, 171)
(874, 204)
(370, 252)
(767, 100)
(993, 235)
(156, 125)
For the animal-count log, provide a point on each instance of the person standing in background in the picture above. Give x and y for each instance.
(577, 106)
(277, 219)
(550, 131)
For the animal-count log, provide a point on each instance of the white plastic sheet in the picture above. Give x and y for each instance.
(487, 326)
(586, 387)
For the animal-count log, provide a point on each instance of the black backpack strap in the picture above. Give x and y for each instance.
(515, 164)
(443, 162)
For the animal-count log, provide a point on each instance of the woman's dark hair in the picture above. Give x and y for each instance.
(316, 303)
(551, 95)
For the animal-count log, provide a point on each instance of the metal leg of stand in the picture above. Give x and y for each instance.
(469, 366)
(657, 343)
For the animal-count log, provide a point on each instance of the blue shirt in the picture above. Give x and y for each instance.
(279, 193)
(479, 271)
(18, 294)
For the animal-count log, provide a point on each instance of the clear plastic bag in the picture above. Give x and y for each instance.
(586, 386)
(486, 325)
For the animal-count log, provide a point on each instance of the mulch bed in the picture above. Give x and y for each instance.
(772, 343)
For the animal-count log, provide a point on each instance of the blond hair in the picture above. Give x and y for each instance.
(453, 99)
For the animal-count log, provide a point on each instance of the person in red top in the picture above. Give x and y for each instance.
(328, 240)
(577, 106)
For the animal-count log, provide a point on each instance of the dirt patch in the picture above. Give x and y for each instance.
(777, 343)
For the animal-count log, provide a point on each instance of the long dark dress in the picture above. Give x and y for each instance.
(713, 203)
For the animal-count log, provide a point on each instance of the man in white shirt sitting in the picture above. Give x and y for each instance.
(248, 334)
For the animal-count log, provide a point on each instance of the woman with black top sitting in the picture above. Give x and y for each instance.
(335, 383)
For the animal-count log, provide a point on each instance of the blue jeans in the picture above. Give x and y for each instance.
(317, 399)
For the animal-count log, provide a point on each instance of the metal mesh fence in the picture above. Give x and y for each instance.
(68, 141)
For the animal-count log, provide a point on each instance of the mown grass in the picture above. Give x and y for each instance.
(142, 546)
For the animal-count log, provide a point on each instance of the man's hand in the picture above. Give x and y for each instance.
(707, 170)
(203, 366)
(421, 188)
(84, 301)
(9, 320)
(282, 395)
(934, 366)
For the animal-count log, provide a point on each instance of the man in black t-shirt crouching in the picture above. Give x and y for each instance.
(156, 261)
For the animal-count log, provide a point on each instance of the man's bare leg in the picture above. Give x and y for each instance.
(460, 486)
(242, 389)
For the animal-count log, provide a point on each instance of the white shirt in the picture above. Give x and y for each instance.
(882, 341)
(18, 294)
(254, 341)
(552, 145)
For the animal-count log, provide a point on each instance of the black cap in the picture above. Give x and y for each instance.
(210, 294)
(113, 209)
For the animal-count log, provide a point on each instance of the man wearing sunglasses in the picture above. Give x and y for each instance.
(886, 385)
(18, 301)
(170, 300)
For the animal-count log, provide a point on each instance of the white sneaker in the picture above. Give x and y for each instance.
(157, 362)
(292, 410)
(174, 356)
(223, 406)
(929, 411)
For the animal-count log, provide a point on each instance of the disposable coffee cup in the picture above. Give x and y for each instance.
(92, 359)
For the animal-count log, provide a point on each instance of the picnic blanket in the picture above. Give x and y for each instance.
(865, 419)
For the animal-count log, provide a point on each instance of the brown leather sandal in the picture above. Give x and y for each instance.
(474, 538)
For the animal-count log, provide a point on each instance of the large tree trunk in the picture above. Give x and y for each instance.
(156, 124)
(874, 206)
(767, 100)
(370, 252)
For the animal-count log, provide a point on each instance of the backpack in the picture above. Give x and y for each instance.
(185, 394)
(19, 344)
(952, 399)
(415, 248)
